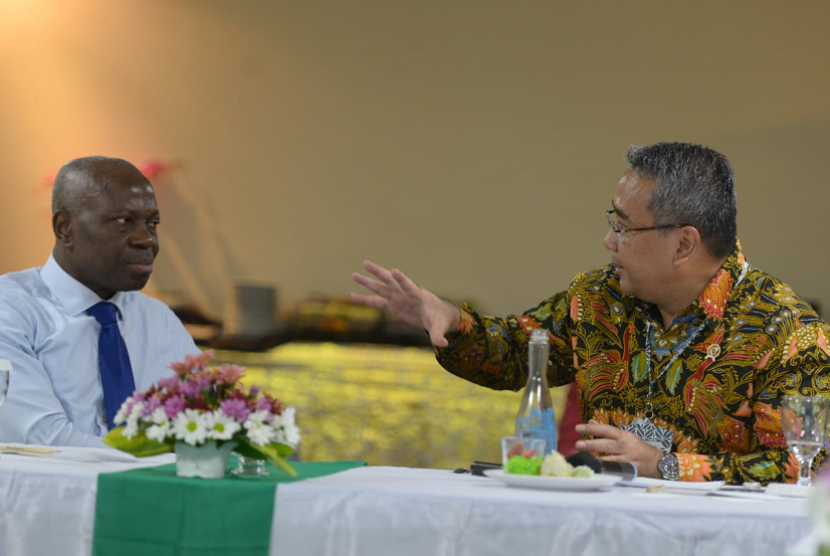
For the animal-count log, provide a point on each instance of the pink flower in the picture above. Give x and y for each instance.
(192, 362)
(263, 403)
(174, 406)
(229, 374)
(169, 382)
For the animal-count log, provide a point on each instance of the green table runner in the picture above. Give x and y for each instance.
(152, 511)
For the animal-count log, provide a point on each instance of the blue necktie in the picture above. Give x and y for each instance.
(113, 360)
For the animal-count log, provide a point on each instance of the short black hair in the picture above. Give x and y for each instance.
(695, 186)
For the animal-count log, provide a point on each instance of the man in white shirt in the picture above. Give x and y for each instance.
(104, 220)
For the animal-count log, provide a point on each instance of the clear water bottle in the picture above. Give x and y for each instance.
(535, 419)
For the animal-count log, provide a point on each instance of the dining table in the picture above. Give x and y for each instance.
(85, 501)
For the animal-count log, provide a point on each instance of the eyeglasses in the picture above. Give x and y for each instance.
(619, 231)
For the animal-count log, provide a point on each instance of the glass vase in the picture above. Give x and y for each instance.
(207, 461)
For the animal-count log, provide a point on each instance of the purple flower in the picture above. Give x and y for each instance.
(236, 409)
(190, 388)
(254, 390)
(151, 405)
(174, 406)
(263, 403)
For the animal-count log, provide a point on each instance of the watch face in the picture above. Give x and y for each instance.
(668, 468)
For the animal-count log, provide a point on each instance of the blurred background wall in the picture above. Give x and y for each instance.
(473, 144)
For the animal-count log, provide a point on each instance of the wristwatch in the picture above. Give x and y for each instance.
(669, 468)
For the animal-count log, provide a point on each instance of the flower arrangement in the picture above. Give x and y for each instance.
(200, 404)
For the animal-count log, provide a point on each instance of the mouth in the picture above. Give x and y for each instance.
(141, 267)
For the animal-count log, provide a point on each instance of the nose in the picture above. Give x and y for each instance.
(144, 237)
(610, 241)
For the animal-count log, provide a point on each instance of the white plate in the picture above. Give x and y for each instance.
(597, 482)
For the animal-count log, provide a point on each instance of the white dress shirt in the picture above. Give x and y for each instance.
(55, 394)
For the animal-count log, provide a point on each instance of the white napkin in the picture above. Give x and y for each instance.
(701, 486)
(70, 453)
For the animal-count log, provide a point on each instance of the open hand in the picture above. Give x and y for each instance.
(419, 307)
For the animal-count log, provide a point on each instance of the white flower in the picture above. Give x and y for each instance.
(161, 425)
(286, 431)
(138, 408)
(159, 416)
(121, 414)
(260, 416)
(289, 434)
(258, 430)
(158, 432)
(288, 415)
(220, 426)
(190, 427)
(131, 428)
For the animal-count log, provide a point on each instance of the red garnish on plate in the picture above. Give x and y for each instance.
(515, 450)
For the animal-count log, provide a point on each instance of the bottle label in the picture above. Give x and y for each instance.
(539, 424)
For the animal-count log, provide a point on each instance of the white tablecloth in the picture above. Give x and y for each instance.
(383, 510)
(47, 506)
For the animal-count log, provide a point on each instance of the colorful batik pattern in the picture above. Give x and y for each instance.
(721, 397)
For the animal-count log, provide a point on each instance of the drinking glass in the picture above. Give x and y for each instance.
(521, 446)
(250, 467)
(804, 422)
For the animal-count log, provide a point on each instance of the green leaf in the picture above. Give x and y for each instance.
(273, 453)
(673, 376)
(139, 445)
(639, 367)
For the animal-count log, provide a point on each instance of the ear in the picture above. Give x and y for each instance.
(62, 227)
(688, 245)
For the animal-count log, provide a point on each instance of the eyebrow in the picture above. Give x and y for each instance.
(619, 211)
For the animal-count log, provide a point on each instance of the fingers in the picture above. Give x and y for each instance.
(437, 339)
(593, 428)
(607, 438)
(371, 300)
(409, 287)
(372, 285)
(603, 445)
(618, 457)
(396, 292)
(379, 272)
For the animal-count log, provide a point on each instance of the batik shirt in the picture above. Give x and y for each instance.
(717, 373)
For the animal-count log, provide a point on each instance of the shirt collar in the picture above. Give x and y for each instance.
(74, 296)
(713, 298)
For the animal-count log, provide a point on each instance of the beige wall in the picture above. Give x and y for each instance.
(473, 144)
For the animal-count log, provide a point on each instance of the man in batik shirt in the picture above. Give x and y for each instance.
(680, 349)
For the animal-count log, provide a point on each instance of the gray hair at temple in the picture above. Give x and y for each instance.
(694, 186)
(76, 179)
